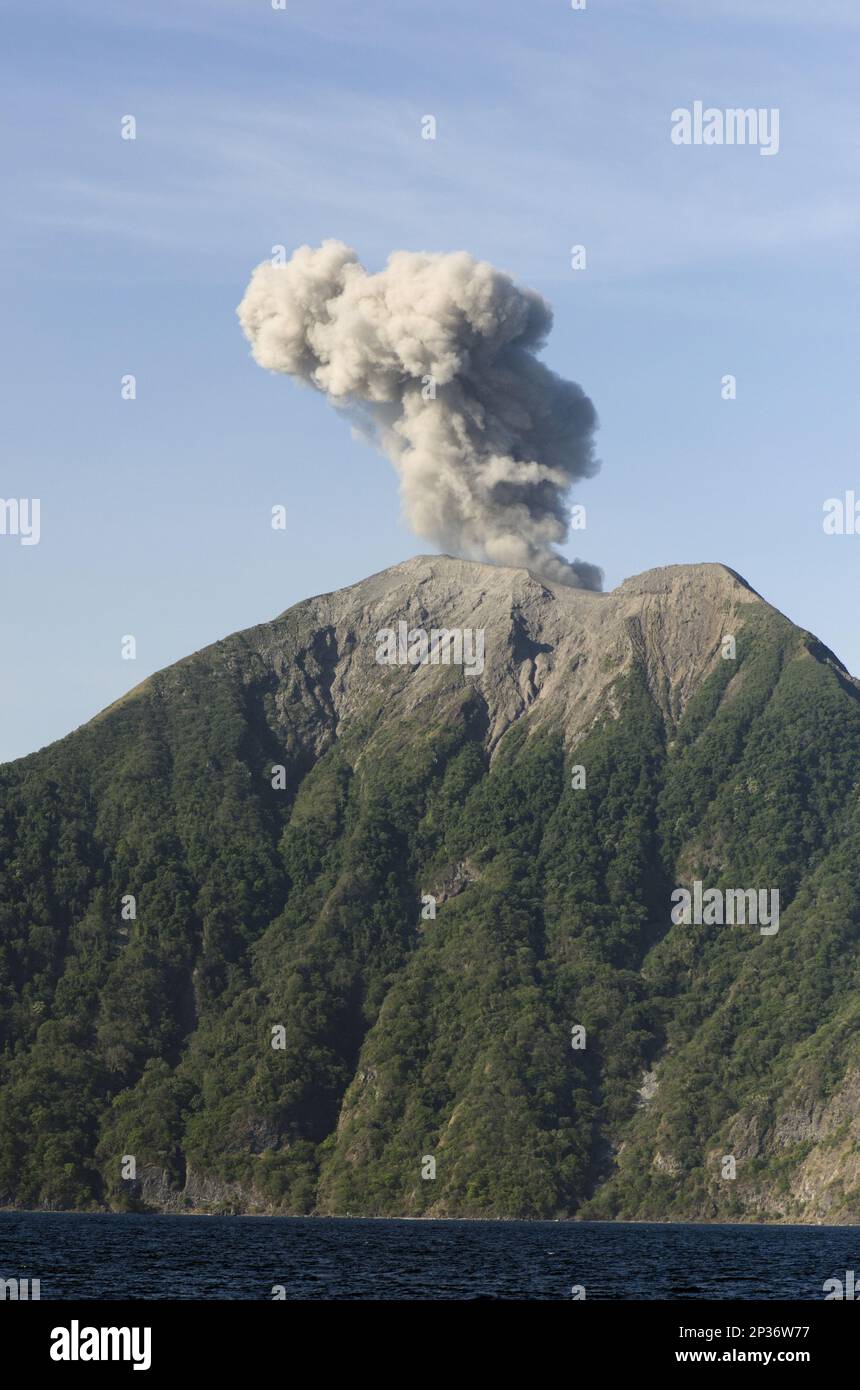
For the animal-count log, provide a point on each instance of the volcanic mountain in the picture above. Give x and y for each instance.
(296, 926)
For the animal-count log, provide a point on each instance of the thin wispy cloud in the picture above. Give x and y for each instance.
(811, 14)
(246, 171)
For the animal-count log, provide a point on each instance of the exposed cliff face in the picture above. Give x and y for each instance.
(548, 649)
(294, 926)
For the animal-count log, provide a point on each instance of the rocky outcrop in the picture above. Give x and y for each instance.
(282, 803)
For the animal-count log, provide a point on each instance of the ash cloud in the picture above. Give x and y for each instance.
(486, 464)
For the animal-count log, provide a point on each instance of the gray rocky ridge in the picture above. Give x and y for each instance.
(549, 650)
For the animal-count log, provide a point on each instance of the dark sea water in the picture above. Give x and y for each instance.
(219, 1257)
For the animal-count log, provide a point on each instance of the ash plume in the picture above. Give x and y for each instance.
(437, 357)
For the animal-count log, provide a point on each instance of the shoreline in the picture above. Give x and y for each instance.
(449, 1220)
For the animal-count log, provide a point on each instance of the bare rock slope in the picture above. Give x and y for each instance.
(283, 1024)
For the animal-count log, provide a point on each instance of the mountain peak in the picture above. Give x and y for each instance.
(468, 573)
(548, 649)
(243, 850)
(676, 578)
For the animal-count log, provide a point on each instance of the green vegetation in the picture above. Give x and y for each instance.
(405, 1036)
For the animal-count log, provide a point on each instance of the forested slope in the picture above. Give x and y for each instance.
(292, 914)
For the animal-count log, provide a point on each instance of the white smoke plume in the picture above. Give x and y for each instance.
(437, 355)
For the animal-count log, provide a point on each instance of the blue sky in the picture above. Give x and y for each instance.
(258, 127)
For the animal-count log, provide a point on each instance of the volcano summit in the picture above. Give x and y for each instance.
(220, 991)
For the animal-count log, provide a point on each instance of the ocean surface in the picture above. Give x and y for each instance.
(221, 1257)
